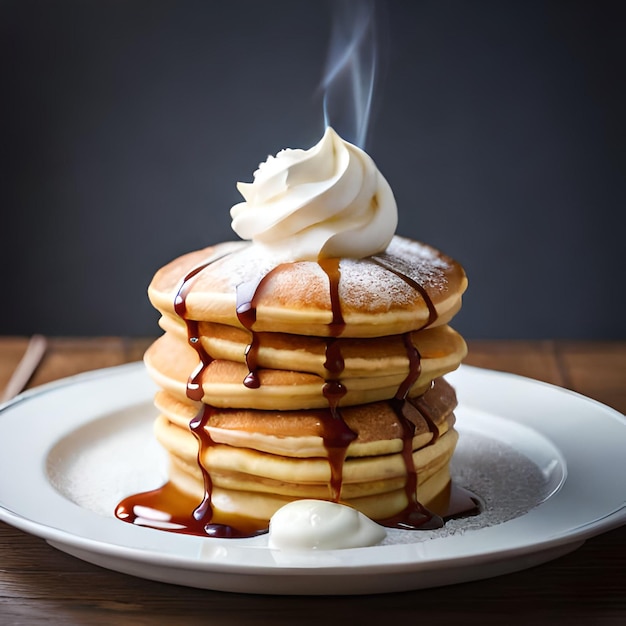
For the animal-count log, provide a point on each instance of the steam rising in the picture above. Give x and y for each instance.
(351, 65)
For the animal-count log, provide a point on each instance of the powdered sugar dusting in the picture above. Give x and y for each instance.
(247, 264)
(364, 286)
(420, 262)
(507, 483)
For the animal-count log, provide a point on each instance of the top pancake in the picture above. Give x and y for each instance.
(377, 296)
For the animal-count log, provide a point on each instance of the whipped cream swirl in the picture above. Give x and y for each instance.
(328, 201)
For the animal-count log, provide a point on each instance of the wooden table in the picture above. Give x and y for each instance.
(39, 584)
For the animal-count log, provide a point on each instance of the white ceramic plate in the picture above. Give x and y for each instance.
(69, 451)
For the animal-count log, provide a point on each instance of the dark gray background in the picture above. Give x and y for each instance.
(125, 125)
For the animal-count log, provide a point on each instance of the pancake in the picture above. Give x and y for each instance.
(170, 360)
(440, 348)
(408, 287)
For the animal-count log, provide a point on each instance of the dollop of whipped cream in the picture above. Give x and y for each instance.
(328, 201)
(322, 525)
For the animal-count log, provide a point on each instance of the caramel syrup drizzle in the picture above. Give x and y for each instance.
(336, 434)
(167, 499)
(194, 383)
(247, 298)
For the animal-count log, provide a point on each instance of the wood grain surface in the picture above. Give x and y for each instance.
(39, 584)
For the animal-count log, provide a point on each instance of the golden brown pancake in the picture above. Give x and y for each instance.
(441, 349)
(294, 297)
(170, 360)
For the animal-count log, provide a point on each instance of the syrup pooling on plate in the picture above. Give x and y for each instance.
(168, 508)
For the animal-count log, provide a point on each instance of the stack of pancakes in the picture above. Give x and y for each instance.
(307, 379)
